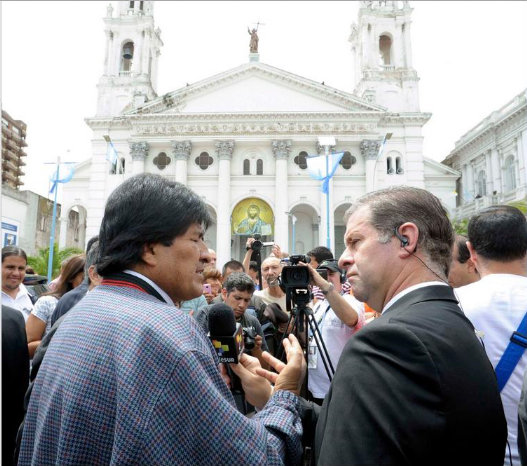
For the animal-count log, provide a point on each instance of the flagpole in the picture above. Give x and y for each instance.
(328, 241)
(53, 224)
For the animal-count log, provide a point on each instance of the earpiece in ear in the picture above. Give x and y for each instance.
(404, 240)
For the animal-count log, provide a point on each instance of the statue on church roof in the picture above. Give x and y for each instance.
(253, 45)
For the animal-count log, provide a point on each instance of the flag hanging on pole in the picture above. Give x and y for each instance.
(63, 174)
(111, 152)
(317, 168)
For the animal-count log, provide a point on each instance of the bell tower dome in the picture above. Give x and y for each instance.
(381, 46)
(131, 58)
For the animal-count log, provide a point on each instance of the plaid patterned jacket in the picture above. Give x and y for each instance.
(128, 379)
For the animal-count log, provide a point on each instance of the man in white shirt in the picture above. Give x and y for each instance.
(271, 271)
(14, 293)
(497, 304)
(338, 316)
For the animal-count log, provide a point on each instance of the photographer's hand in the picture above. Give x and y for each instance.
(315, 278)
(291, 375)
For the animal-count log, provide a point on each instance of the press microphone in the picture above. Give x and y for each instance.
(225, 334)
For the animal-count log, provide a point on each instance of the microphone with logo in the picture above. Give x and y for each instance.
(227, 339)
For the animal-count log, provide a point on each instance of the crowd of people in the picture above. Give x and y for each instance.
(407, 350)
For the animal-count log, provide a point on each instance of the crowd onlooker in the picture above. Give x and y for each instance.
(212, 278)
(39, 321)
(14, 293)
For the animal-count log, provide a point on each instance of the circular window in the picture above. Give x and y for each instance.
(347, 160)
(161, 161)
(204, 160)
(300, 160)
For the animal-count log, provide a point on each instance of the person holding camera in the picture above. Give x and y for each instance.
(338, 316)
(237, 291)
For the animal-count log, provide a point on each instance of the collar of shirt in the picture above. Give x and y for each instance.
(22, 291)
(409, 290)
(152, 284)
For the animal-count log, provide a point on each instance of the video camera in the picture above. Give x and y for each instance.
(257, 244)
(295, 276)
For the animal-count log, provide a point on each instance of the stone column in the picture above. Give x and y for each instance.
(181, 152)
(323, 229)
(63, 229)
(496, 170)
(109, 39)
(281, 149)
(488, 168)
(470, 180)
(138, 151)
(523, 152)
(224, 150)
(369, 149)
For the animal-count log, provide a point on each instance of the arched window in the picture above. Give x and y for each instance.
(385, 48)
(481, 189)
(246, 167)
(398, 166)
(347, 160)
(204, 160)
(300, 160)
(389, 166)
(127, 56)
(121, 165)
(259, 167)
(510, 174)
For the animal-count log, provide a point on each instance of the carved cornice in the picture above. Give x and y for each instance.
(139, 150)
(281, 148)
(224, 149)
(369, 149)
(181, 149)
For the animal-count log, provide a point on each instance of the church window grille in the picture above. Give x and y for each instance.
(389, 166)
(259, 167)
(246, 167)
(347, 160)
(481, 184)
(399, 166)
(162, 160)
(204, 160)
(300, 160)
(385, 46)
(510, 174)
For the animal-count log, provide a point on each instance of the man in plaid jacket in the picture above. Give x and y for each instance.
(129, 379)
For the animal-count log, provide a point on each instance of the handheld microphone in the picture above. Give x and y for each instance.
(225, 334)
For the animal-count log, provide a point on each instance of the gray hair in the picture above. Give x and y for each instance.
(391, 207)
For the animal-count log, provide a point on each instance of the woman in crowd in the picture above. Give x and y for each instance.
(211, 277)
(39, 321)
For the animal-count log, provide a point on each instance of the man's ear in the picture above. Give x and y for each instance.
(471, 267)
(410, 232)
(149, 254)
(224, 294)
(473, 254)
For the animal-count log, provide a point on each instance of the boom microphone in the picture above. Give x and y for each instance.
(225, 334)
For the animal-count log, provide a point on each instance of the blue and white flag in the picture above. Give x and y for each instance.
(62, 175)
(319, 170)
(111, 152)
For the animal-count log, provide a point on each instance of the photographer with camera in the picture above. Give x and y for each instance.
(338, 316)
(237, 291)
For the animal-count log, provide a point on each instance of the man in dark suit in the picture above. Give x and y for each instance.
(414, 386)
(15, 378)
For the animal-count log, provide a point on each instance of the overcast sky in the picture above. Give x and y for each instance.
(470, 57)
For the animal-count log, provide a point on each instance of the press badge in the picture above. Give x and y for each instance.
(312, 356)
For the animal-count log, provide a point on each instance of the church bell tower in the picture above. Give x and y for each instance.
(383, 56)
(131, 58)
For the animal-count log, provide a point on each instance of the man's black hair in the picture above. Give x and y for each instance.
(463, 254)
(238, 281)
(90, 243)
(320, 253)
(13, 251)
(233, 264)
(145, 209)
(499, 233)
(253, 265)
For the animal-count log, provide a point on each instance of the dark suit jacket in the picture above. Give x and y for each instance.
(69, 300)
(413, 387)
(15, 378)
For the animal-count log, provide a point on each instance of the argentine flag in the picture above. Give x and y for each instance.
(111, 152)
(316, 166)
(62, 175)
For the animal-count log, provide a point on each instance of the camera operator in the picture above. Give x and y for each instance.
(338, 316)
(271, 271)
(237, 291)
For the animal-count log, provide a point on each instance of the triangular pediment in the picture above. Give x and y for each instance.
(253, 88)
(433, 168)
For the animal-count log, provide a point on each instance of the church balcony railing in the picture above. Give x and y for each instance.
(388, 67)
(125, 73)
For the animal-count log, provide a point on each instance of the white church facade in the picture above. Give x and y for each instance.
(240, 138)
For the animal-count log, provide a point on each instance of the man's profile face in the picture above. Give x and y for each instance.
(367, 262)
(238, 300)
(271, 270)
(334, 277)
(13, 272)
(461, 274)
(179, 267)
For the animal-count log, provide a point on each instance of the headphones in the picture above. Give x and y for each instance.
(403, 239)
(342, 273)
